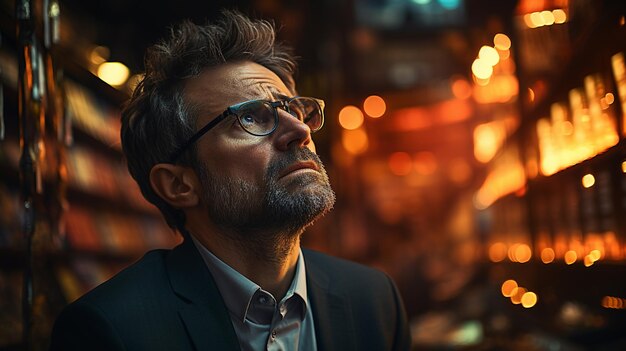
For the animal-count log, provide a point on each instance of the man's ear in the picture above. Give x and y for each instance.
(177, 185)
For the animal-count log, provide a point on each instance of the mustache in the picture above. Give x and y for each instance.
(292, 156)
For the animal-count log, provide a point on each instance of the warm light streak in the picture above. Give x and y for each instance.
(350, 117)
(508, 288)
(488, 138)
(547, 255)
(506, 179)
(529, 299)
(570, 257)
(623, 166)
(502, 42)
(545, 18)
(113, 73)
(588, 180)
(374, 106)
(614, 302)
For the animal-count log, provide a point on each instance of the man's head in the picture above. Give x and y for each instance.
(240, 181)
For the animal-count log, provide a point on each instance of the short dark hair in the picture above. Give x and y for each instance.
(157, 119)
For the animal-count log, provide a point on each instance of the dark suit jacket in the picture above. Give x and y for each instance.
(168, 300)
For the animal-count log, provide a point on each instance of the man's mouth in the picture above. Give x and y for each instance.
(300, 166)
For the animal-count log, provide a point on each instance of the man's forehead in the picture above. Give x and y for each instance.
(224, 85)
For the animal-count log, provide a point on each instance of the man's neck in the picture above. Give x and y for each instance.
(269, 263)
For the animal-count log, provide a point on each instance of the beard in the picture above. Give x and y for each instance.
(273, 212)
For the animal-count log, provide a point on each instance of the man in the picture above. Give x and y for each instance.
(217, 138)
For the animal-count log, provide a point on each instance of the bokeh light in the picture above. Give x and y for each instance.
(547, 255)
(400, 163)
(113, 73)
(355, 141)
(374, 106)
(570, 257)
(502, 41)
(508, 287)
(529, 299)
(588, 180)
(350, 117)
(497, 252)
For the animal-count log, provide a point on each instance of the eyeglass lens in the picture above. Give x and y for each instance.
(258, 117)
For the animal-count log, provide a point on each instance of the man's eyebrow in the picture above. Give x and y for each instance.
(281, 96)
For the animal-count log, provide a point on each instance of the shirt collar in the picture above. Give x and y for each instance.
(238, 291)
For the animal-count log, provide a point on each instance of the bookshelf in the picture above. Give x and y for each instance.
(569, 208)
(89, 224)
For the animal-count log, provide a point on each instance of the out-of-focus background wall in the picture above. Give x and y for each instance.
(476, 148)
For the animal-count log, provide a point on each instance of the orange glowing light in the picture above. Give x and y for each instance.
(350, 117)
(522, 253)
(425, 163)
(624, 167)
(609, 98)
(547, 255)
(516, 295)
(400, 163)
(531, 95)
(559, 16)
(374, 106)
(588, 180)
(354, 141)
(595, 255)
(497, 252)
(502, 42)
(511, 252)
(536, 19)
(482, 69)
(528, 22)
(461, 88)
(587, 261)
(487, 139)
(508, 287)
(570, 257)
(489, 55)
(548, 17)
(529, 299)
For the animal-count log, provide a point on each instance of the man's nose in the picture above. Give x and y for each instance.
(291, 131)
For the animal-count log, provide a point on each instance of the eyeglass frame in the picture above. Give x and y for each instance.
(231, 110)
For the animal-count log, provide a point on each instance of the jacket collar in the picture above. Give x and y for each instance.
(331, 309)
(208, 323)
(203, 311)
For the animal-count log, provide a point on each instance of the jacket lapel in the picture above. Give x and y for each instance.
(331, 310)
(202, 310)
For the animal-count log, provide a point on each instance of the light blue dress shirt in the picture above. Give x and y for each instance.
(260, 322)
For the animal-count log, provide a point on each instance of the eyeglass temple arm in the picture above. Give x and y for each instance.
(198, 135)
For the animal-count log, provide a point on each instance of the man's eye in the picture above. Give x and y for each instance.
(248, 119)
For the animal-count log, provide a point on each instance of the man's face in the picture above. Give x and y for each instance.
(273, 183)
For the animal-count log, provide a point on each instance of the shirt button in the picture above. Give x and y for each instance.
(283, 310)
(274, 334)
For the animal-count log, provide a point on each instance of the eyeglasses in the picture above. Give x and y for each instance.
(260, 117)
